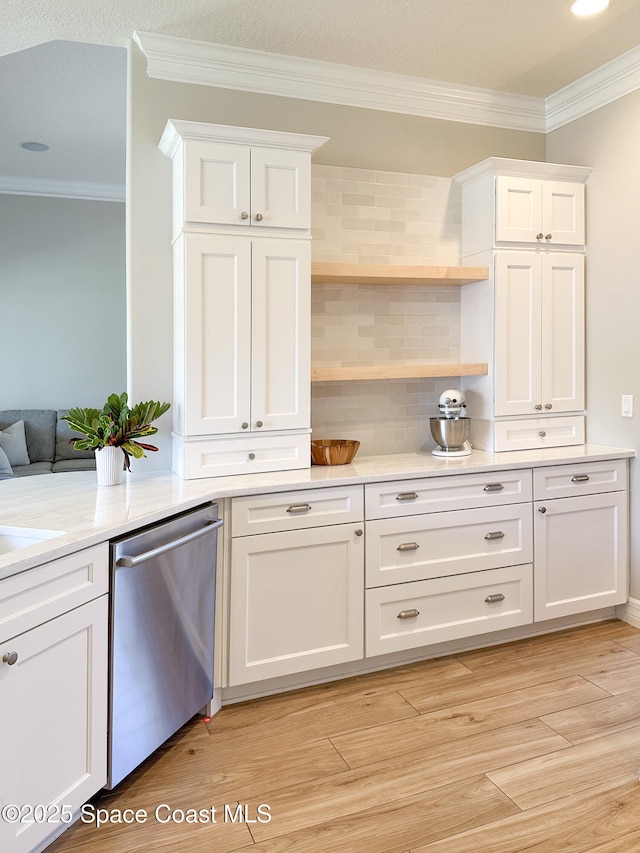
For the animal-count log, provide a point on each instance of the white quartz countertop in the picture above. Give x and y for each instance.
(86, 514)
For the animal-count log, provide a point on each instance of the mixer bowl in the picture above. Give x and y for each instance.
(450, 433)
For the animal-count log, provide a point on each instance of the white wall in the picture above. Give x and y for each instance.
(609, 140)
(62, 305)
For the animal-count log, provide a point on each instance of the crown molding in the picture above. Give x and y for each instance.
(17, 185)
(614, 80)
(202, 63)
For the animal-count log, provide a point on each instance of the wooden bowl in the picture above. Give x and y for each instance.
(333, 451)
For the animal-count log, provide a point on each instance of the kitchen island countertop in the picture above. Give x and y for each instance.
(86, 514)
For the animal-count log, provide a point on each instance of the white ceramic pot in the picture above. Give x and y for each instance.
(109, 466)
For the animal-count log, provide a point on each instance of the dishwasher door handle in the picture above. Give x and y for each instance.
(130, 562)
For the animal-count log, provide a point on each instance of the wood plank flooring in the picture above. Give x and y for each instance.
(533, 745)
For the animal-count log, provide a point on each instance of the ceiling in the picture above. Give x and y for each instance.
(508, 46)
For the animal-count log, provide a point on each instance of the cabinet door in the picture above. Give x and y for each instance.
(213, 335)
(280, 188)
(296, 601)
(563, 212)
(281, 349)
(562, 332)
(518, 209)
(216, 183)
(517, 389)
(581, 560)
(53, 713)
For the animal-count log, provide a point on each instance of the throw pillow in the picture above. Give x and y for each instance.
(5, 467)
(14, 444)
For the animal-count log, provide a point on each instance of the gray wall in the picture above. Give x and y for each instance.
(359, 137)
(608, 140)
(62, 307)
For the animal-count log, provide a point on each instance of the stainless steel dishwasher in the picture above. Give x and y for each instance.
(162, 611)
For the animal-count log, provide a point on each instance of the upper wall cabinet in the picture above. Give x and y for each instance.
(524, 203)
(239, 176)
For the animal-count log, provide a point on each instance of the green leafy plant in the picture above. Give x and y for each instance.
(116, 425)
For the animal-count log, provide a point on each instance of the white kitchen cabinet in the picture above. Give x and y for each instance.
(53, 693)
(546, 212)
(539, 333)
(527, 320)
(296, 600)
(581, 547)
(242, 301)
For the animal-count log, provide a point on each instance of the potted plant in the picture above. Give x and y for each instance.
(113, 433)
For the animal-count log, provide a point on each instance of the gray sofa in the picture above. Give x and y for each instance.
(47, 439)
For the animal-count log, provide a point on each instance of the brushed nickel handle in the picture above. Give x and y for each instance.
(496, 534)
(580, 478)
(548, 236)
(542, 509)
(259, 217)
(131, 561)
(244, 215)
(538, 407)
(542, 433)
(407, 496)
(10, 658)
(539, 236)
(359, 532)
(548, 406)
(493, 487)
(252, 456)
(495, 596)
(408, 546)
(299, 508)
(408, 614)
(245, 425)
(259, 424)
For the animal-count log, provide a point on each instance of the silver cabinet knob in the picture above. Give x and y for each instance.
(259, 217)
(359, 532)
(244, 215)
(538, 407)
(539, 236)
(10, 658)
(542, 509)
(259, 424)
(542, 433)
(548, 236)
(252, 456)
(245, 425)
(548, 405)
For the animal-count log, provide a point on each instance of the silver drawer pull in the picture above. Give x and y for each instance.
(408, 614)
(299, 508)
(580, 478)
(495, 596)
(493, 487)
(10, 658)
(496, 534)
(408, 546)
(407, 496)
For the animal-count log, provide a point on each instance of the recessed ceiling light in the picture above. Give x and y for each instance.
(35, 146)
(588, 7)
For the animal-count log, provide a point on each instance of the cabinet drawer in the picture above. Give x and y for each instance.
(411, 615)
(534, 433)
(430, 546)
(437, 494)
(296, 510)
(220, 457)
(562, 481)
(40, 594)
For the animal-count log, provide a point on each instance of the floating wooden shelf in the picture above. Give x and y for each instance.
(329, 273)
(395, 371)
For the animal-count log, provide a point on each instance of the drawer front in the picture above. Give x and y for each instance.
(431, 546)
(40, 594)
(221, 457)
(437, 494)
(411, 615)
(535, 433)
(563, 481)
(296, 510)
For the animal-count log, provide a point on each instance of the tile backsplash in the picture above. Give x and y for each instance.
(365, 216)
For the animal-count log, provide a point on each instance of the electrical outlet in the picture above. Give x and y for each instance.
(627, 405)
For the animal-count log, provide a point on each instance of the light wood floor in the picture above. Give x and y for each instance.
(529, 746)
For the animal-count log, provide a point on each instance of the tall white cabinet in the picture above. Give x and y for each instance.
(526, 222)
(242, 303)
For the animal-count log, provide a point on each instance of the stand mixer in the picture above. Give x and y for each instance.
(450, 431)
